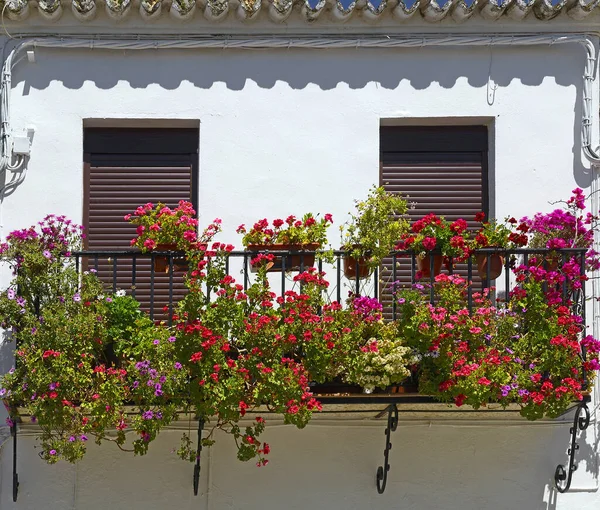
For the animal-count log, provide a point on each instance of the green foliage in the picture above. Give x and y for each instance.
(376, 226)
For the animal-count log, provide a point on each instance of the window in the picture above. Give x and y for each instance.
(442, 170)
(124, 168)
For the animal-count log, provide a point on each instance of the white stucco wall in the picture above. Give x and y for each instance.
(287, 132)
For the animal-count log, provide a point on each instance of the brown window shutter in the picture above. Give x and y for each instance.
(120, 176)
(441, 171)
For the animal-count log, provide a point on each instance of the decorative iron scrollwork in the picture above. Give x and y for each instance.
(382, 471)
(198, 452)
(562, 475)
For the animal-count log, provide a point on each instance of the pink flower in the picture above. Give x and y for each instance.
(484, 381)
(149, 244)
(429, 243)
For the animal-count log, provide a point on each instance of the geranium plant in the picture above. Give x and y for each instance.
(309, 229)
(508, 234)
(161, 225)
(435, 233)
(375, 227)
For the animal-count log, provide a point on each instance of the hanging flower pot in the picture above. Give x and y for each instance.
(353, 266)
(161, 262)
(301, 256)
(424, 265)
(356, 265)
(496, 263)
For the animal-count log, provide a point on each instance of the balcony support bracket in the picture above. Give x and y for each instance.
(563, 475)
(382, 471)
(15, 480)
(198, 452)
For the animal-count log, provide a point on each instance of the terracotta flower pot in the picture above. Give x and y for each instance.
(161, 262)
(294, 261)
(424, 265)
(496, 264)
(352, 265)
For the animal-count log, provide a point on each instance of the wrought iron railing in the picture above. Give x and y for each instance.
(135, 273)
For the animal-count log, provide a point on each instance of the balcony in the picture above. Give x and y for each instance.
(156, 280)
(477, 292)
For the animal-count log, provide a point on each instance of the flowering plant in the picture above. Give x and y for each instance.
(162, 225)
(569, 227)
(298, 231)
(435, 233)
(376, 226)
(494, 234)
(528, 354)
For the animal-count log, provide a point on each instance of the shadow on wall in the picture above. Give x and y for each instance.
(409, 70)
(440, 466)
(420, 68)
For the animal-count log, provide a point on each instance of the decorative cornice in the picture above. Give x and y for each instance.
(334, 11)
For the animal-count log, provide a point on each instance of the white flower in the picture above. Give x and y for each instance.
(120, 293)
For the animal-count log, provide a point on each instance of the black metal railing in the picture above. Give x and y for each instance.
(135, 273)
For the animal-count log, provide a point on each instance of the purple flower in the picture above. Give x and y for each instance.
(61, 299)
(156, 342)
(162, 379)
(77, 297)
(52, 386)
(10, 293)
(2, 392)
(401, 301)
(52, 452)
(523, 392)
(172, 339)
(9, 422)
(510, 351)
(33, 419)
(83, 437)
(109, 300)
(178, 365)
(148, 415)
(47, 254)
(93, 271)
(71, 439)
(12, 370)
(135, 384)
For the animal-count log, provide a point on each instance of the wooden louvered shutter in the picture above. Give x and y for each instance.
(124, 169)
(442, 170)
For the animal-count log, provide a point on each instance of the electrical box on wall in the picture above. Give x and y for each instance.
(22, 142)
(21, 145)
